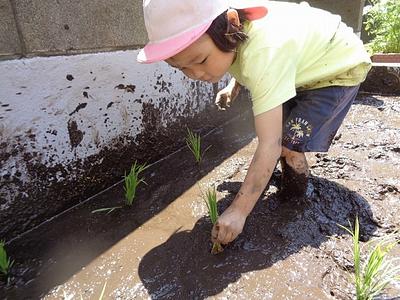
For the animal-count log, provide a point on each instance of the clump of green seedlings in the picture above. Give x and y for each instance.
(210, 198)
(132, 180)
(193, 141)
(5, 262)
(376, 272)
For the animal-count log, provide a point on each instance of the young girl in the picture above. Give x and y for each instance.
(302, 65)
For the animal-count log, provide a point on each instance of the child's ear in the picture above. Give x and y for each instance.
(233, 17)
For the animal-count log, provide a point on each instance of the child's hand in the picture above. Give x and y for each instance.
(224, 99)
(227, 95)
(228, 226)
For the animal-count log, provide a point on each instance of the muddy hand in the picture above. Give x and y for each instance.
(223, 100)
(228, 227)
(227, 95)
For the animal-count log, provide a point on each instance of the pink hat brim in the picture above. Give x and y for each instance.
(154, 52)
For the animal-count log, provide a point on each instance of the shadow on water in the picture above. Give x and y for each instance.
(52, 253)
(183, 268)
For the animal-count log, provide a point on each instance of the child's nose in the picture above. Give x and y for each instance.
(197, 74)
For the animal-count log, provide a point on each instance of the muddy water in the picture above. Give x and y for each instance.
(159, 248)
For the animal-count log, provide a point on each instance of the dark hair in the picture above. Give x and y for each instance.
(227, 36)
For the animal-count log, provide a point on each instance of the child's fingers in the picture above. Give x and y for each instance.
(221, 100)
(228, 102)
(222, 233)
(214, 233)
(228, 238)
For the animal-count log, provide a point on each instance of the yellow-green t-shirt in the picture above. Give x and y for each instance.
(297, 47)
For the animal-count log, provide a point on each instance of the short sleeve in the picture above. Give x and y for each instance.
(270, 75)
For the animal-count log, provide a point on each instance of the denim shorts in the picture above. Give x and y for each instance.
(312, 118)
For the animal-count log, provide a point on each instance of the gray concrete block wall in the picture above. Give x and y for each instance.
(9, 40)
(48, 27)
(56, 27)
(350, 10)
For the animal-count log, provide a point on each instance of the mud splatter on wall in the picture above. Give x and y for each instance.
(75, 135)
(71, 126)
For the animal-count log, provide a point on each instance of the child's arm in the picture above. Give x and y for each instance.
(227, 95)
(269, 131)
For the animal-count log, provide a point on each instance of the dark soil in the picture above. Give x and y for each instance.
(160, 247)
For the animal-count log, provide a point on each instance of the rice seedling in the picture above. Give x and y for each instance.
(5, 262)
(210, 197)
(67, 297)
(102, 291)
(106, 209)
(376, 272)
(132, 181)
(193, 141)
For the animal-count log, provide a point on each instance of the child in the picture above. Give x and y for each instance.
(302, 65)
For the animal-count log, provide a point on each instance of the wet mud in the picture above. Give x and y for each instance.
(293, 186)
(30, 198)
(384, 80)
(160, 247)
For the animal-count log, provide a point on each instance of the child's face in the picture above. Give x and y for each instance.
(202, 60)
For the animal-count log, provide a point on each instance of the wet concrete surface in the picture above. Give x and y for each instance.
(160, 247)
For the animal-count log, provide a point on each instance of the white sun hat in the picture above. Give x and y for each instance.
(173, 25)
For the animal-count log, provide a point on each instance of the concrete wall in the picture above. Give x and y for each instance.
(47, 27)
(71, 125)
(350, 10)
(9, 38)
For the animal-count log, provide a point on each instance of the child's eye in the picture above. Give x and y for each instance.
(204, 60)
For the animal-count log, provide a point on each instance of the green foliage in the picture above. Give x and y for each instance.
(383, 25)
(193, 141)
(377, 271)
(132, 181)
(5, 261)
(210, 198)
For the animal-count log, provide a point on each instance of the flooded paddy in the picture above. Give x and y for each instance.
(160, 247)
